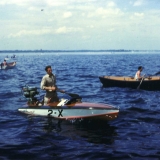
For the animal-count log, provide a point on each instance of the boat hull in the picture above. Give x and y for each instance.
(151, 83)
(9, 65)
(74, 111)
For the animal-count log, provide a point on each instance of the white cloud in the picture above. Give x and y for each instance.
(111, 4)
(64, 29)
(61, 30)
(30, 32)
(56, 3)
(99, 13)
(111, 30)
(33, 9)
(139, 14)
(109, 12)
(17, 2)
(90, 26)
(67, 14)
(136, 16)
(138, 3)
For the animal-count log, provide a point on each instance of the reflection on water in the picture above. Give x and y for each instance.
(91, 131)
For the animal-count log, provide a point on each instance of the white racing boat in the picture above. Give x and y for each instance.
(67, 109)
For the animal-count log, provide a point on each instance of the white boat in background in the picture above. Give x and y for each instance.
(6, 58)
(14, 56)
(8, 66)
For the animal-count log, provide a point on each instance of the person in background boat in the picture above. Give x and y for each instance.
(4, 63)
(48, 83)
(138, 73)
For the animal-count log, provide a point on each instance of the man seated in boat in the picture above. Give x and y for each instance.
(138, 73)
(4, 63)
(48, 83)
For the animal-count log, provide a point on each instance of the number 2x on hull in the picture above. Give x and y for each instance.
(73, 111)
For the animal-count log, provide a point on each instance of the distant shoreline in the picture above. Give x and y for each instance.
(41, 51)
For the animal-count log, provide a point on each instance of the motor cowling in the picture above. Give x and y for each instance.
(30, 92)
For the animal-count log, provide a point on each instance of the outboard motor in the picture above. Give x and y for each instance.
(29, 93)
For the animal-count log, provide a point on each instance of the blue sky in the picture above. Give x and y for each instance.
(79, 24)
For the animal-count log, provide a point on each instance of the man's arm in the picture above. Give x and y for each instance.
(43, 82)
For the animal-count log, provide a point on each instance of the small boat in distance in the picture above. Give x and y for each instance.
(9, 65)
(14, 56)
(6, 58)
(148, 83)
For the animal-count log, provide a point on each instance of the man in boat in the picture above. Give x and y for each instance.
(1, 65)
(4, 63)
(48, 83)
(138, 73)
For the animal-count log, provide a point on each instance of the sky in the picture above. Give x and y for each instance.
(79, 24)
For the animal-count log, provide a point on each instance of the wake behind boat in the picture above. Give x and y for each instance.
(72, 108)
(148, 83)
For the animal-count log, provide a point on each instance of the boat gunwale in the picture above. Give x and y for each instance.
(130, 78)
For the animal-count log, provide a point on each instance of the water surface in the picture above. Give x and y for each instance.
(135, 134)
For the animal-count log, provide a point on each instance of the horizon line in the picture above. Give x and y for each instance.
(80, 50)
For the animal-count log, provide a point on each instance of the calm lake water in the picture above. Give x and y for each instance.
(135, 134)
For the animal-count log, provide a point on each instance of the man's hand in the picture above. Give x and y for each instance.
(51, 88)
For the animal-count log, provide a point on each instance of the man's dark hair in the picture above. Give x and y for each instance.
(140, 67)
(46, 68)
